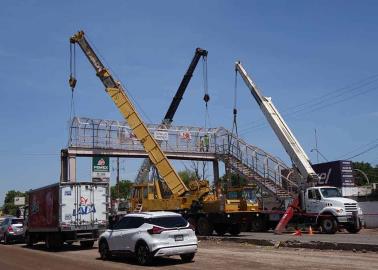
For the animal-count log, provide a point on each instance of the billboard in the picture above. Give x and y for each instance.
(335, 173)
(100, 169)
(19, 201)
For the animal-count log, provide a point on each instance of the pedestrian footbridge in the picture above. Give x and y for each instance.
(91, 137)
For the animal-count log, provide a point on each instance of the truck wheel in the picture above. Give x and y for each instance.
(104, 250)
(329, 225)
(87, 244)
(186, 258)
(220, 229)
(353, 228)
(54, 241)
(143, 254)
(28, 239)
(234, 229)
(204, 227)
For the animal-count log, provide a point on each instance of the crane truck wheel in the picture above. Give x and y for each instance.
(328, 225)
(193, 223)
(204, 227)
(234, 229)
(258, 224)
(354, 228)
(220, 229)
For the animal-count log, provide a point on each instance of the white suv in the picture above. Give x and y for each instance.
(149, 235)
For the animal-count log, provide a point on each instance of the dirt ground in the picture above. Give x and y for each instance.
(211, 255)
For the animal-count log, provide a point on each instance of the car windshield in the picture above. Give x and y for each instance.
(330, 192)
(168, 221)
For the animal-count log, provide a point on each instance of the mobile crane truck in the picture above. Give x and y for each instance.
(196, 203)
(323, 207)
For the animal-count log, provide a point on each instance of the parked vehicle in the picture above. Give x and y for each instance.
(67, 212)
(148, 235)
(12, 230)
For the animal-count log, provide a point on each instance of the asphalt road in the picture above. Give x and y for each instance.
(211, 254)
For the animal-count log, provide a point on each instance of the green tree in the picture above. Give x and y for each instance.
(124, 190)
(368, 169)
(9, 208)
(187, 176)
(236, 180)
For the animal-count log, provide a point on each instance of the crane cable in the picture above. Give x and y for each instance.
(72, 80)
(235, 110)
(206, 96)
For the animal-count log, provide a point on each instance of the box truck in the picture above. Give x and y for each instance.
(67, 212)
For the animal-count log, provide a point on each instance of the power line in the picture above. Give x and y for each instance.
(364, 152)
(357, 149)
(317, 103)
(310, 109)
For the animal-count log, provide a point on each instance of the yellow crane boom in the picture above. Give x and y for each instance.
(124, 104)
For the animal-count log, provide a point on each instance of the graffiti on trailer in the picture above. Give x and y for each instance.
(34, 207)
(85, 207)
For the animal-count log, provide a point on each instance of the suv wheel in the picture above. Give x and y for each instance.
(104, 250)
(187, 257)
(329, 225)
(143, 254)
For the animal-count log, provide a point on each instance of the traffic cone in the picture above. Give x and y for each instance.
(297, 232)
(310, 232)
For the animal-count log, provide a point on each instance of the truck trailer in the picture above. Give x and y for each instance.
(66, 212)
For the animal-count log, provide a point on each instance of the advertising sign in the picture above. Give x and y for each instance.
(19, 201)
(100, 168)
(161, 135)
(336, 173)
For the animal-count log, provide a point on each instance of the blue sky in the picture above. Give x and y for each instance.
(320, 53)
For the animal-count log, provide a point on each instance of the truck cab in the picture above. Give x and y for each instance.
(332, 210)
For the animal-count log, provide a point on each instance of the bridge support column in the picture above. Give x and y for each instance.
(67, 167)
(63, 165)
(216, 175)
(72, 168)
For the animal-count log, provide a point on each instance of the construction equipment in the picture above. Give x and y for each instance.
(312, 205)
(168, 118)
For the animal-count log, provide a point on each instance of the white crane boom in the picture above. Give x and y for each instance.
(280, 128)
